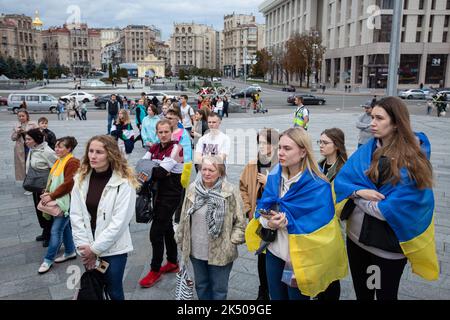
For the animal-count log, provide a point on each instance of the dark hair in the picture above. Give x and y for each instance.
(338, 137)
(203, 113)
(175, 112)
(272, 135)
(402, 149)
(36, 135)
(299, 98)
(68, 142)
(163, 122)
(154, 109)
(43, 119)
(184, 96)
(26, 113)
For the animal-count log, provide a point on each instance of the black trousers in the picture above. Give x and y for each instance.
(162, 233)
(390, 273)
(262, 272)
(45, 224)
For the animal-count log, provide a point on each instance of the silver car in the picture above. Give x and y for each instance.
(413, 94)
(38, 102)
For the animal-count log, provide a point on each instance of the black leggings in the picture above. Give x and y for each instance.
(262, 272)
(390, 273)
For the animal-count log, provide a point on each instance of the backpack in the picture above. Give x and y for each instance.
(92, 286)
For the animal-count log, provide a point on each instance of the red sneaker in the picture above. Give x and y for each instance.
(150, 279)
(169, 267)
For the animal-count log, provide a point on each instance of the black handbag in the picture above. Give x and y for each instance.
(145, 205)
(92, 286)
(267, 235)
(36, 180)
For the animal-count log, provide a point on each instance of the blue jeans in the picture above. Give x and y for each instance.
(110, 120)
(211, 282)
(114, 275)
(278, 290)
(61, 232)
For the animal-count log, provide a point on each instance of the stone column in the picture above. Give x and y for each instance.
(365, 71)
(423, 68)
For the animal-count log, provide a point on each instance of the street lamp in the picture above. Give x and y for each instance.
(314, 71)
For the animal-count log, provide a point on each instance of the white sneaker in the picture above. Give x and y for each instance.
(44, 268)
(64, 258)
(28, 193)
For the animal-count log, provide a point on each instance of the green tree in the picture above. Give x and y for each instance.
(182, 74)
(3, 65)
(110, 72)
(261, 67)
(11, 72)
(30, 65)
(122, 73)
(20, 70)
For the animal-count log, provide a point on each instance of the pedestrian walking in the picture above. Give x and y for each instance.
(123, 132)
(211, 227)
(112, 107)
(148, 132)
(60, 109)
(59, 187)
(301, 116)
(251, 185)
(102, 205)
(21, 150)
(388, 182)
(84, 111)
(226, 105)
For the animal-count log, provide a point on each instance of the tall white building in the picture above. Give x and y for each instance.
(356, 34)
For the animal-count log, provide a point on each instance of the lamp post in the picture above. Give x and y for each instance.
(314, 71)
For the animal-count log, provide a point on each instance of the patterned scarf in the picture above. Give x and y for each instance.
(215, 203)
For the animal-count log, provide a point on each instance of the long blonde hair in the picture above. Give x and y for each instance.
(126, 117)
(115, 158)
(303, 140)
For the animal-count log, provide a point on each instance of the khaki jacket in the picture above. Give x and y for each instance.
(19, 149)
(249, 188)
(222, 250)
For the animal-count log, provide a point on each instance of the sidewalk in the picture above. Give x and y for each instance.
(21, 255)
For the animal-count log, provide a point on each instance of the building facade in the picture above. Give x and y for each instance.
(112, 54)
(242, 37)
(194, 45)
(73, 45)
(19, 38)
(138, 41)
(356, 35)
(109, 35)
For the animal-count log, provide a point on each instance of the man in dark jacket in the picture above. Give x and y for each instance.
(112, 107)
(49, 135)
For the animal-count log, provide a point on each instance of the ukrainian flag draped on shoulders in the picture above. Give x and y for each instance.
(408, 210)
(316, 246)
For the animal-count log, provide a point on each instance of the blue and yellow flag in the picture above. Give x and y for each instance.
(316, 246)
(408, 210)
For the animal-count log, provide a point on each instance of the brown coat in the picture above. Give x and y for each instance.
(249, 187)
(19, 148)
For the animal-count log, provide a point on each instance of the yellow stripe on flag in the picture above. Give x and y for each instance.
(421, 253)
(251, 238)
(318, 258)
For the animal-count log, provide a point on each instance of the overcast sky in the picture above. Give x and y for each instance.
(112, 13)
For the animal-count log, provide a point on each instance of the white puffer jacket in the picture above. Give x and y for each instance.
(115, 211)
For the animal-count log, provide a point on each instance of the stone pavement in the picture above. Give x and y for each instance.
(21, 255)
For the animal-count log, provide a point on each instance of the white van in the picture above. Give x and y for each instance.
(37, 102)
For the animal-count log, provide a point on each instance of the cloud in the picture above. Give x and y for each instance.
(113, 13)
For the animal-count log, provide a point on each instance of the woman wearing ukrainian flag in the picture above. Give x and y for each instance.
(308, 252)
(390, 220)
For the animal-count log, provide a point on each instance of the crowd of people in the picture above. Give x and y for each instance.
(288, 206)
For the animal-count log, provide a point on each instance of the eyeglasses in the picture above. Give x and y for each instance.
(325, 143)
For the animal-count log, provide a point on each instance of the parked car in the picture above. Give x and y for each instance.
(3, 101)
(81, 96)
(39, 102)
(100, 101)
(289, 89)
(159, 95)
(308, 99)
(257, 86)
(246, 93)
(412, 94)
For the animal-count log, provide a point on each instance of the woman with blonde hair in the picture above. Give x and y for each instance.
(122, 131)
(307, 253)
(212, 225)
(102, 205)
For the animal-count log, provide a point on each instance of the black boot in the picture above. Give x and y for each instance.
(263, 294)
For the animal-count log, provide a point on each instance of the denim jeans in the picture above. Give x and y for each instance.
(278, 290)
(211, 282)
(111, 118)
(61, 232)
(114, 275)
